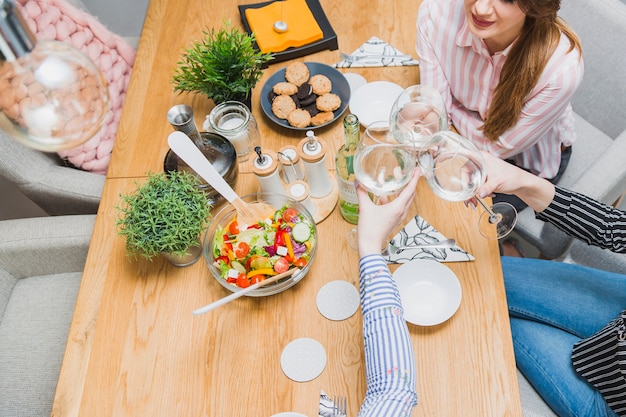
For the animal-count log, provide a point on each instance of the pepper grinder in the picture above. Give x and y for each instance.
(265, 168)
(312, 151)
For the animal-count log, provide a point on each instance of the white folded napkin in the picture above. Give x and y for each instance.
(327, 406)
(377, 53)
(419, 231)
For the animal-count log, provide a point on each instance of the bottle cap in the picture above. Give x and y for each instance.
(311, 149)
(288, 155)
(265, 163)
(298, 190)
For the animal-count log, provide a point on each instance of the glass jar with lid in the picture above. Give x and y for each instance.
(234, 121)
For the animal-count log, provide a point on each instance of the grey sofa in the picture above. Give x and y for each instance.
(597, 165)
(41, 264)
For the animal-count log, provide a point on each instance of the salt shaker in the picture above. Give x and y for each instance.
(265, 168)
(299, 191)
(313, 153)
(290, 163)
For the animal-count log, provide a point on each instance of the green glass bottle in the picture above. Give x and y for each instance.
(348, 203)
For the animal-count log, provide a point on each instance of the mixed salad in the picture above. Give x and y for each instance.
(247, 254)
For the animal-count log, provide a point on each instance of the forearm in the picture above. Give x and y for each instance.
(389, 358)
(537, 192)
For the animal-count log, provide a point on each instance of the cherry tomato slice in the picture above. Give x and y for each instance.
(300, 262)
(242, 281)
(281, 265)
(289, 214)
(242, 250)
(255, 279)
(233, 228)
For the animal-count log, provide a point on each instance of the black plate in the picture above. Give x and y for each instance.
(340, 87)
(328, 42)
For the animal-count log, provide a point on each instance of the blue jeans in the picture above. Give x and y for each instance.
(552, 305)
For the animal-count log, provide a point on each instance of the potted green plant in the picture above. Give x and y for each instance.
(224, 65)
(165, 215)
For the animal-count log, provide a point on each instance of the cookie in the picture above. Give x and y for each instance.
(282, 106)
(297, 73)
(328, 102)
(311, 108)
(284, 87)
(299, 118)
(296, 100)
(322, 117)
(310, 99)
(321, 84)
(304, 91)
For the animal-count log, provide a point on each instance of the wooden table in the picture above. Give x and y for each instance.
(134, 349)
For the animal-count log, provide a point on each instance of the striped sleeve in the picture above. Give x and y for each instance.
(389, 357)
(600, 360)
(586, 219)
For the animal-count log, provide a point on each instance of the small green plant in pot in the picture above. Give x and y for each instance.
(165, 215)
(224, 65)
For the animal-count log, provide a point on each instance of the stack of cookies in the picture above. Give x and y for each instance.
(304, 100)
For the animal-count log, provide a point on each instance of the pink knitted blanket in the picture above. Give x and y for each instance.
(61, 21)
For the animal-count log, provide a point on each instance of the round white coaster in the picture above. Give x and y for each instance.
(338, 300)
(303, 359)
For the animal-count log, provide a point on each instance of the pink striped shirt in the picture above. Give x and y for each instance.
(460, 67)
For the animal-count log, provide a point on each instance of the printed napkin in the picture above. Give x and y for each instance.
(327, 406)
(377, 53)
(419, 231)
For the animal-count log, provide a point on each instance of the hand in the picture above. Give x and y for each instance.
(502, 177)
(376, 222)
(506, 178)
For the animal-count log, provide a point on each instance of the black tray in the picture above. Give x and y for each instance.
(329, 41)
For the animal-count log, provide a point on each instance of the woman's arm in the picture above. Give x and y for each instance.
(389, 357)
(506, 178)
(577, 215)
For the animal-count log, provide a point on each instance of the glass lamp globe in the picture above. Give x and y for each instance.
(53, 96)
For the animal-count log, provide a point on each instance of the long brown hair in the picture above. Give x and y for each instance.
(528, 57)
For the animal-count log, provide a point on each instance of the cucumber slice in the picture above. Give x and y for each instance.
(301, 232)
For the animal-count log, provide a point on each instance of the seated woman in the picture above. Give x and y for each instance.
(391, 377)
(559, 312)
(507, 71)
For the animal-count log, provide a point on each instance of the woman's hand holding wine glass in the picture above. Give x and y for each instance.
(382, 166)
(455, 170)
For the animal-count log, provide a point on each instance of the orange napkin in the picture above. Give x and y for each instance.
(303, 28)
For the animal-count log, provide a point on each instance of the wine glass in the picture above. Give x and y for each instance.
(454, 169)
(418, 113)
(382, 165)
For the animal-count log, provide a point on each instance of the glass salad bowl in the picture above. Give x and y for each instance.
(240, 255)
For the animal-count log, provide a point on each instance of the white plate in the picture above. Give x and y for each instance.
(355, 81)
(430, 292)
(373, 101)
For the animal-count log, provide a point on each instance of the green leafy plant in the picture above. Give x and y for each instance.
(224, 65)
(165, 214)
